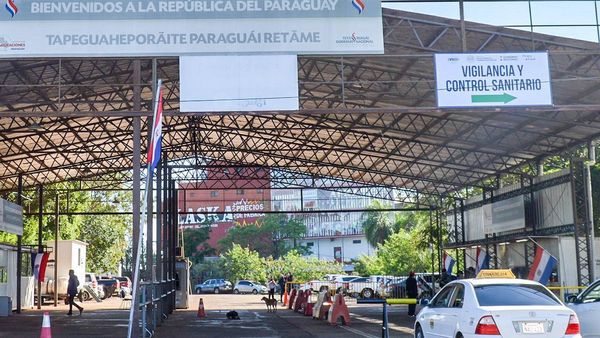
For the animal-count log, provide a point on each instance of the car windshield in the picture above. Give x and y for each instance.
(514, 295)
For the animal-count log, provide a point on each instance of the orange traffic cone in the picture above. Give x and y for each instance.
(46, 330)
(201, 313)
(285, 297)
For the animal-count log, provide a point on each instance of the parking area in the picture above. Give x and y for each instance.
(255, 321)
(107, 319)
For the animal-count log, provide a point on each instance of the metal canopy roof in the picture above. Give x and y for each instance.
(369, 119)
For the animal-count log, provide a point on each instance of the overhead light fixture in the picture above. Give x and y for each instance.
(522, 240)
(475, 247)
(34, 126)
(504, 243)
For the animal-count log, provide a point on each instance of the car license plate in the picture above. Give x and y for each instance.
(532, 327)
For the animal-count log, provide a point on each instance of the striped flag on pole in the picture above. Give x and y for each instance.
(483, 260)
(542, 267)
(156, 137)
(39, 262)
(448, 263)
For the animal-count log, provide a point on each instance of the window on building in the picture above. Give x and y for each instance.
(214, 193)
(357, 241)
(239, 192)
(310, 244)
(260, 191)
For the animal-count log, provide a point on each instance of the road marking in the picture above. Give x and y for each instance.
(358, 332)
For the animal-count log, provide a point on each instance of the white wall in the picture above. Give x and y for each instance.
(72, 254)
(323, 248)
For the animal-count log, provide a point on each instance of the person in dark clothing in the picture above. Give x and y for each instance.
(289, 279)
(444, 278)
(281, 283)
(411, 292)
(72, 292)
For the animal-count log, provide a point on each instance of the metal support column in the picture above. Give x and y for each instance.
(136, 209)
(56, 233)
(579, 182)
(19, 245)
(159, 239)
(590, 209)
(40, 245)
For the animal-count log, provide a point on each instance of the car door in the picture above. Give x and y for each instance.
(244, 287)
(206, 286)
(587, 308)
(434, 318)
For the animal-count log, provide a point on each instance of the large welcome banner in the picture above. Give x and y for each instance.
(169, 28)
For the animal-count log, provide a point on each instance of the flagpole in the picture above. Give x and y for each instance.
(149, 172)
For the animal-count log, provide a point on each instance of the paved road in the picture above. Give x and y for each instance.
(255, 321)
(107, 320)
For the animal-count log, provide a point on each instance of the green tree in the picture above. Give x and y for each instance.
(303, 268)
(242, 263)
(106, 233)
(270, 237)
(195, 243)
(379, 226)
(397, 256)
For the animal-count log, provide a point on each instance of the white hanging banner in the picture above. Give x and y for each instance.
(189, 27)
(238, 83)
(11, 217)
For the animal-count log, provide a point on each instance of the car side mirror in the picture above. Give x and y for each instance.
(571, 298)
(424, 302)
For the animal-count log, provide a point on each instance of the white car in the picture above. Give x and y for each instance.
(246, 286)
(496, 307)
(587, 307)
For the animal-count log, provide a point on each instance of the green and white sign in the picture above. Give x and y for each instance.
(498, 79)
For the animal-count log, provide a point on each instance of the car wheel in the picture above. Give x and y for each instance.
(216, 290)
(198, 290)
(459, 335)
(367, 293)
(255, 292)
(419, 332)
(236, 291)
(86, 296)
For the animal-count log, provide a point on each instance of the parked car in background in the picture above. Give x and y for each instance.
(365, 287)
(214, 286)
(111, 286)
(397, 289)
(247, 286)
(342, 283)
(92, 283)
(124, 281)
(587, 307)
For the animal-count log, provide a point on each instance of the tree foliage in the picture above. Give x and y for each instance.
(106, 234)
(397, 256)
(242, 263)
(274, 236)
(195, 243)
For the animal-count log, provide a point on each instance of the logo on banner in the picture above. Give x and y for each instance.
(359, 5)
(11, 8)
(355, 38)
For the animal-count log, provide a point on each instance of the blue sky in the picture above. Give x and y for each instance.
(516, 13)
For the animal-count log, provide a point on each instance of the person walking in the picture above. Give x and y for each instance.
(72, 292)
(272, 286)
(281, 283)
(411, 292)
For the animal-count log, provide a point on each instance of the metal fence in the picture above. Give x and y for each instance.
(157, 301)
